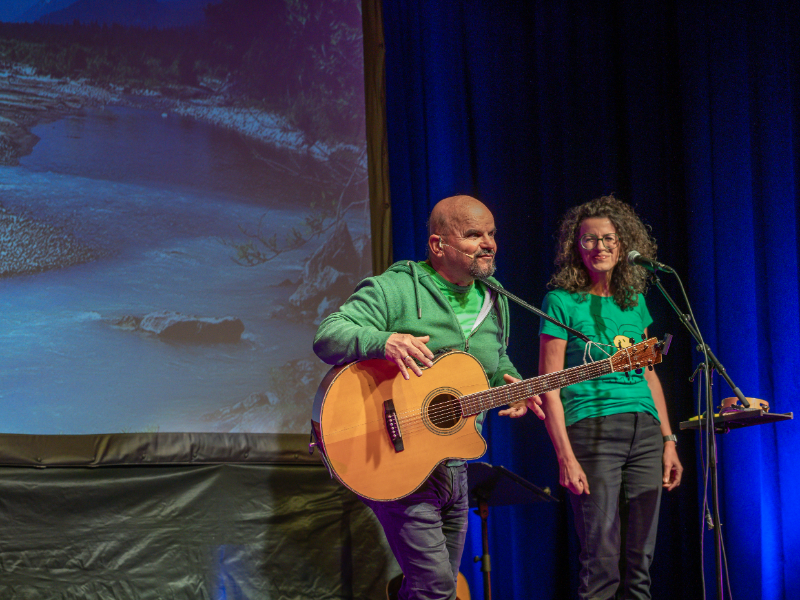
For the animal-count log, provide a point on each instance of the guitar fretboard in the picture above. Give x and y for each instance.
(515, 392)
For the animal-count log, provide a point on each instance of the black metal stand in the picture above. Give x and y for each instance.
(497, 486)
(710, 364)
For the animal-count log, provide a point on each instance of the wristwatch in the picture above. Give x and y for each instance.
(670, 438)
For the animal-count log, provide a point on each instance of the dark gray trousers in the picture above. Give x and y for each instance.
(617, 522)
(426, 532)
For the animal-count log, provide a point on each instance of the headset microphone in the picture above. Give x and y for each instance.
(441, 243)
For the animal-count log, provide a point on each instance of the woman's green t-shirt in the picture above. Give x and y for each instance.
(604, 322)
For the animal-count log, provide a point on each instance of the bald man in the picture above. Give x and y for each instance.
(405, 316)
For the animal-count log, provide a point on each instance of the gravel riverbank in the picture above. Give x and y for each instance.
(27, 99)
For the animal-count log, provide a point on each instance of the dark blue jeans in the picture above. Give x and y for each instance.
(617, 522)
(426, 532)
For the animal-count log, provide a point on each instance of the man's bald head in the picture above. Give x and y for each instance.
(452, 211)
(461, 244)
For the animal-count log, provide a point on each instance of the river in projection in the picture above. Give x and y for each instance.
(156, 197)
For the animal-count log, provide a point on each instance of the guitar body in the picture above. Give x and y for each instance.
(353, 433)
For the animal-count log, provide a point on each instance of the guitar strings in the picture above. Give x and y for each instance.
(455, 409)
(452, 411)
(514, 392)
(592, 370)
(505, 396)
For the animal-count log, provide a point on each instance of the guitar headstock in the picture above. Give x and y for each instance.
(641, 355)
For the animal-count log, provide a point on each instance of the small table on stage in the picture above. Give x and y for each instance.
(497, 486)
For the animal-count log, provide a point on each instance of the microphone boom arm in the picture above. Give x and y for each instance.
(534, 310)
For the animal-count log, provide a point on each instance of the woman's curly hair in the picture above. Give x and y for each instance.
(626, 281)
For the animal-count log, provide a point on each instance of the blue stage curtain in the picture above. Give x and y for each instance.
(688, 110)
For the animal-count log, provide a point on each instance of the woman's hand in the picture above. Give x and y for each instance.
(673, 470)
(572, 477)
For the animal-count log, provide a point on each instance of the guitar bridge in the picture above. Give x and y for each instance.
(393, 425)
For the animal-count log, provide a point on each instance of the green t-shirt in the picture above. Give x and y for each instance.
(604, 322)
(466, 301)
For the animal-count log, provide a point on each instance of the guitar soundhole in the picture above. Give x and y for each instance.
(443, 411)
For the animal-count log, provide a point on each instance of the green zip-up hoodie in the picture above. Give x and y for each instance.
(406, 299)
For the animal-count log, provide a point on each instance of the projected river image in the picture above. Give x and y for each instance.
(158, 199)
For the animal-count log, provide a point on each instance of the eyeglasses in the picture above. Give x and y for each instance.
(589, 241)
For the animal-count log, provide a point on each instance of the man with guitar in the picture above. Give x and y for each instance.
(406, 316)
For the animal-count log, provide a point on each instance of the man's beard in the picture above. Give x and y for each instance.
(480, 271)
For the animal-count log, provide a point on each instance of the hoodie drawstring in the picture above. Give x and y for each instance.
(413, 268)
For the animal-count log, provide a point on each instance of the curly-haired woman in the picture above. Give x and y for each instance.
(611, 435)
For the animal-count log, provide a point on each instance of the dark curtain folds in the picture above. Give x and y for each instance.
(688, 110)
(377, 152)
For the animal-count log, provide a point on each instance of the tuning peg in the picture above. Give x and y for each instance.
(638, 371)
(650, 367)
(644, 337)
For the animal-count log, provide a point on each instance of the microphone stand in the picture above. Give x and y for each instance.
(702, 347)
(711, 362)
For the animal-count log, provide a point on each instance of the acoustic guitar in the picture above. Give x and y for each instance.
(381, 436)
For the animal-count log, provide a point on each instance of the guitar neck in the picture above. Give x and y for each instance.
(515, 392)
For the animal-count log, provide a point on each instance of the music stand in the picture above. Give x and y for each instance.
(497, 486)
(746, 417)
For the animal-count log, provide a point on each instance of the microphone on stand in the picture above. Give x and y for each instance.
(636, 259)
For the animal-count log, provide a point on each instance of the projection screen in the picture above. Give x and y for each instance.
(183, 197)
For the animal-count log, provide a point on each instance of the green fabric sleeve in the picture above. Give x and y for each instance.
(553, 306)
(357, 331)
(504, 367)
